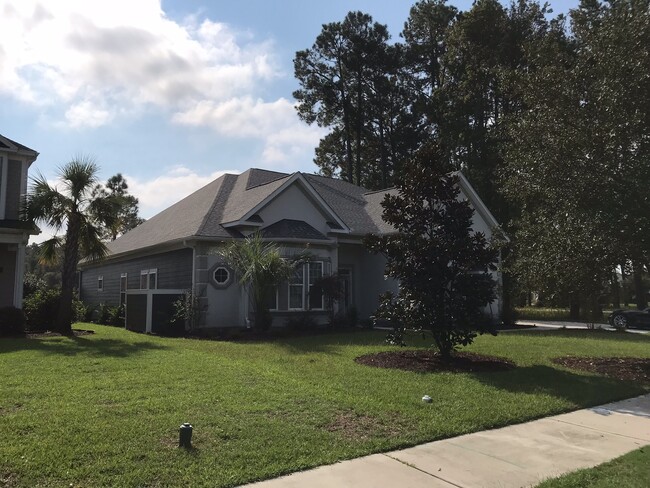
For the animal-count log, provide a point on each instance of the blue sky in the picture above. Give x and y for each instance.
(171, 95)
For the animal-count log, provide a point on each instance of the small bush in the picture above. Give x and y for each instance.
(12, 321)
(109, 315)
(42, 309)
(301, 322)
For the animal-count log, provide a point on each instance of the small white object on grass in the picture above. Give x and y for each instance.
(427, 399)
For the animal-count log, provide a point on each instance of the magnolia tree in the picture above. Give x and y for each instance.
(442, 265)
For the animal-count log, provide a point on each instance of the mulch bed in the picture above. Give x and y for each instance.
(49, 333)
(428, 361)
(624, 369)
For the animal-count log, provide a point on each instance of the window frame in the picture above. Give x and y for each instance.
(291, 284)
(306, 288)
(100, 282)
(124, 276)
(310, 285)
(214, 275)
(148, 273)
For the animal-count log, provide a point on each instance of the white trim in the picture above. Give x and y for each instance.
(4, 163)
(476, 201)
(126, 286)
(149, 294)
(148, 273)
(214, 275)
(19, 276)
(100, 279)
(305, 289)
(322, 297)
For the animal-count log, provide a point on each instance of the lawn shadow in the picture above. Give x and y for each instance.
(71, 346)
(581, 389)
(593, 334)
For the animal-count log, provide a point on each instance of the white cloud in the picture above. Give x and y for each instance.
(93, 61)
(274, 122)
(155, 194)
(162, 191)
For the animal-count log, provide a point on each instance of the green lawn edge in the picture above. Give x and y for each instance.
(104, 409)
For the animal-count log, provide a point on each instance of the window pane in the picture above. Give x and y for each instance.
(152, 280)
(315, 297)
(315, 272)
(297, 278)
(123, 283)
(143, 281)
(295, 296)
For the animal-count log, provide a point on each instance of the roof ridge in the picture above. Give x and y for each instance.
(339, 192)
(222, 196)
(280, 176)
(378, 191)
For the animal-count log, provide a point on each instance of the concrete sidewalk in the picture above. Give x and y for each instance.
(515, 456)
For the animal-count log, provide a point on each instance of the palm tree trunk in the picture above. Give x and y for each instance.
(70, 261)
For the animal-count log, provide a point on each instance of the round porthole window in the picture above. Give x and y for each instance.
(221, 275)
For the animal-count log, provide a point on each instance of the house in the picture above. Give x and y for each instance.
(15, 160)
(148, 267)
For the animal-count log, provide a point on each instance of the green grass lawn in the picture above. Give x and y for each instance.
(104, 409)
(629, 471)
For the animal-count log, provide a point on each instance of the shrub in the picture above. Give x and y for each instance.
(12, 321)
(301, 322)
(110, 315)
(42, 308)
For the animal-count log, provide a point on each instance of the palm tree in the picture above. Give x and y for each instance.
(80, 213)
(260, 268)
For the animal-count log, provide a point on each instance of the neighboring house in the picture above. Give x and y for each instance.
(15, 160)
(177, 250)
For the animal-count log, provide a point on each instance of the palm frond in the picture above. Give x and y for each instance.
(79, 176)
(48, 251)
(45, 203)
(91, 245)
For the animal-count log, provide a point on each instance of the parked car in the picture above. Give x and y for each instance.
(630, 318)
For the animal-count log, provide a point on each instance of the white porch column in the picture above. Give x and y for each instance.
(19, 275)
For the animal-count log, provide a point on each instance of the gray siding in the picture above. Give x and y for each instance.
(174, 272)
(14, 175)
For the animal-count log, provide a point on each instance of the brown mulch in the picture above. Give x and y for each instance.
(49, 333)
(624, 369)
(428, 361)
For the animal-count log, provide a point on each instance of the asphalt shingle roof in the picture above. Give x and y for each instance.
(230, 197)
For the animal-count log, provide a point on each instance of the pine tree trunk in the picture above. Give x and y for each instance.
(574, 307)
(639, 290)
(616, 291)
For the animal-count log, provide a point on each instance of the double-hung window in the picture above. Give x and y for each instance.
(149, 279)
(123, 286)
(304, 290)
(296, 289)
(100, 283)
(315, 291)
